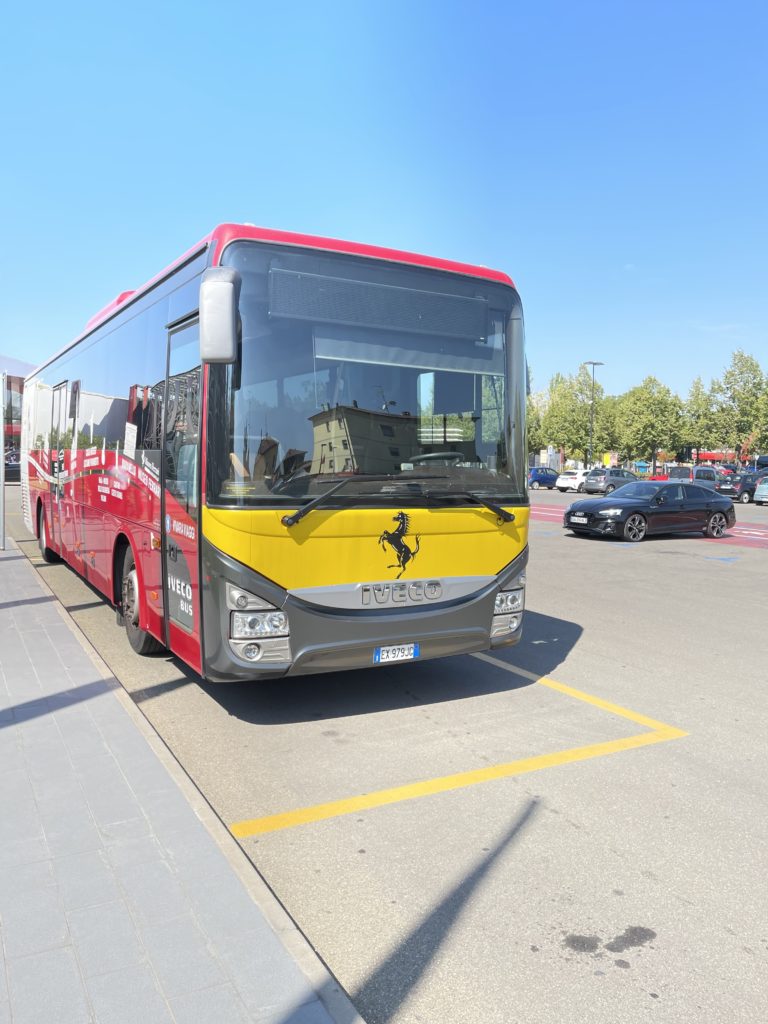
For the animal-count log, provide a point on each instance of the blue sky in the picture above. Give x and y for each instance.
(611, 157)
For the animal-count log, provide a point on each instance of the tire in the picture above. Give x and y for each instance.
(534, 485)
(635, 528)
(609, 489)
(580, 489)
(717, 525)
(562, 489)
(745, 497)
(139, 640)
(47, 554)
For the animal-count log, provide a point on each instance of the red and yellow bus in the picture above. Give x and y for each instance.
(288, 454)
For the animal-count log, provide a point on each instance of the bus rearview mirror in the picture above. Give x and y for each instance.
(219, 298)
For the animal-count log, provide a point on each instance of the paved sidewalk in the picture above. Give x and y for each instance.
(123, 899)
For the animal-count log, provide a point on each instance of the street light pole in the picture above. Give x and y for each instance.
(593, 363)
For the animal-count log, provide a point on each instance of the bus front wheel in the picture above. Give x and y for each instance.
(139, 639)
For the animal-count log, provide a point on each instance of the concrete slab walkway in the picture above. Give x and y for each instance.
(123, 899)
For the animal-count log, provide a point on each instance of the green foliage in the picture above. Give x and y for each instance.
(732, 415)
(650, 418)
(567, 418)
(735, 399)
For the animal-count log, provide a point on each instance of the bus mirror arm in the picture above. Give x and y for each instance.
(219, 298)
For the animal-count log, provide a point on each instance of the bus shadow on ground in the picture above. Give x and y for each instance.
(546, 642)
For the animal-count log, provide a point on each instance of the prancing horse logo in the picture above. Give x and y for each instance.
(395, 540)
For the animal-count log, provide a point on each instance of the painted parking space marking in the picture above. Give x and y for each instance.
(656, 732)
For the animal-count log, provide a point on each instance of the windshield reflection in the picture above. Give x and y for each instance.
(315, 401)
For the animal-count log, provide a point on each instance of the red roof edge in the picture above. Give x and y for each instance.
(222, 235)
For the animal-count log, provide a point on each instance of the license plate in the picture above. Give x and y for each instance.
(579, 519)
(399, 652)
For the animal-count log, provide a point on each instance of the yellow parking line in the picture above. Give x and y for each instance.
(598, 702)
(659, 733)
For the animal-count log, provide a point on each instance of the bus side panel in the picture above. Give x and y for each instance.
(183, 580)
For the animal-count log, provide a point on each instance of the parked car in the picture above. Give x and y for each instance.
(571, 480)
(542, 476)
(740, 487)
(604, 480)
(643, 508)
(12, 467)
(707, 476)
(761, 491)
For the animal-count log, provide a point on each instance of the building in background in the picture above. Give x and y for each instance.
(15, 371)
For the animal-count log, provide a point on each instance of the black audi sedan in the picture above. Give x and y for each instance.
(645, 507)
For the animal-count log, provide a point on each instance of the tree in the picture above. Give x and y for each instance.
(736, 397)
(607, 416)
(650, 418)
(760, 435)
(533, 414)
(566, 421)
(698, 417)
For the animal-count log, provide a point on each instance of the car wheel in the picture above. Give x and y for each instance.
(609, 488)
(562, 489)
(139, 640)
(744, 498)
(47, 554)
(717, 525)
(580, 488)
(534, 485)
(635, 528)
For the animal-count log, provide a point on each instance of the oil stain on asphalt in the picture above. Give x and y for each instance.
(631, 938)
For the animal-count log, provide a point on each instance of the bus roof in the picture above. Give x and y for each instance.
(223, 234)
(226, 233)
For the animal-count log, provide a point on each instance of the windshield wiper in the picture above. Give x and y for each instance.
(506, 517)
(321, 498)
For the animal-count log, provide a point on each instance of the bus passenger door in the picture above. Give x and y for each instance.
(58, 442)
(181, 494)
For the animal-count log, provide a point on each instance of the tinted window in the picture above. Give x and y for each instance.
(639, 489)
(699, 493)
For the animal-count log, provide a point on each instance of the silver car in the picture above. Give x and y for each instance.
(605, 480)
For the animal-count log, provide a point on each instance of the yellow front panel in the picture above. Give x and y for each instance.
(328, 548)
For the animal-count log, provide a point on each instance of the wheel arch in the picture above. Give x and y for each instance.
(121, 545)
(39, 510)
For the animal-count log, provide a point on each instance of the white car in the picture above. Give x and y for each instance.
(571, 480)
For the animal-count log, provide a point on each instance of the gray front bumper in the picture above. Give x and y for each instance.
(324, 639)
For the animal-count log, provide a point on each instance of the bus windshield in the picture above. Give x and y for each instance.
(359, 368)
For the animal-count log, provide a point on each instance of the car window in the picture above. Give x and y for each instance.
(675, 493)
(694, 491)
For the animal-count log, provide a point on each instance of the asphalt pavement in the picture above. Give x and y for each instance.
(122, 896)
(573, 829)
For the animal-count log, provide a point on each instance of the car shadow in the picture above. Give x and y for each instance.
(546, 642)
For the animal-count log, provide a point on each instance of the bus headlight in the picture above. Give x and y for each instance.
(508, 608)
(252, 625)
(509, 602)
